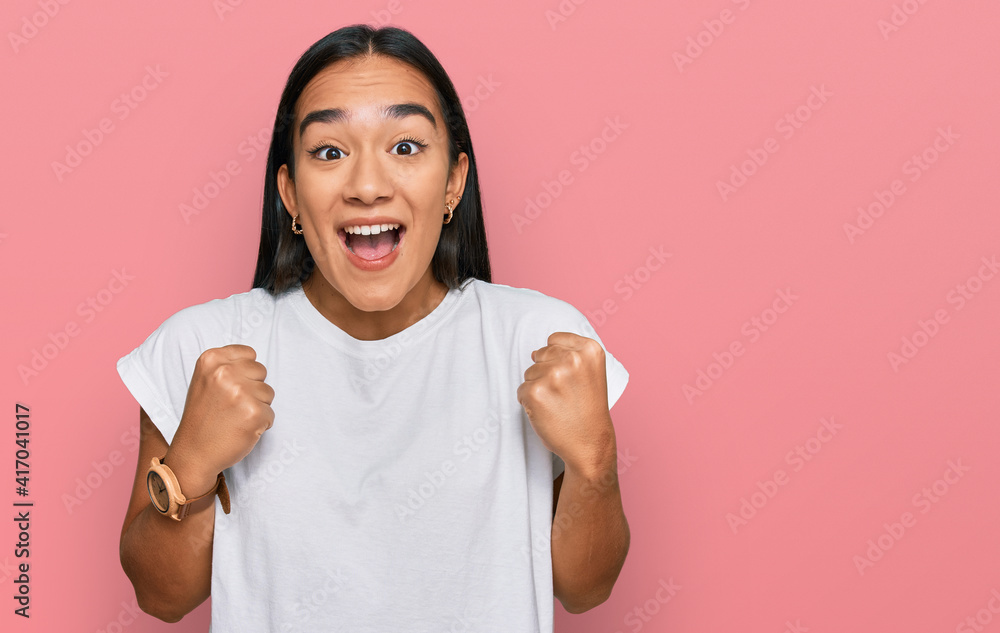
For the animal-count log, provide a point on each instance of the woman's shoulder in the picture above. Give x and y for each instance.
(525, 304)
(223, 315)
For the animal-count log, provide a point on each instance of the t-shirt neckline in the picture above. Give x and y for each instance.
(337, 337)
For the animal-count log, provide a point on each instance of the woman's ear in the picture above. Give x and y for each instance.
(286, 189)
(456, 179)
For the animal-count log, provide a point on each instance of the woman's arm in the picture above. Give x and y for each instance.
(565, 394)
(227, 409)
(590, 535)
(168, 562)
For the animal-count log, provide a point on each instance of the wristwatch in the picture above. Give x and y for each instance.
(165, 491)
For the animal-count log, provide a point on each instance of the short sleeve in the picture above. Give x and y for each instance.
(617, 375)
(157, 372)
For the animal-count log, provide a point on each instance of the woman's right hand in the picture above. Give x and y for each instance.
(228, 408)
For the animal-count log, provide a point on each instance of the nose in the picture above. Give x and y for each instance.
(367, 179)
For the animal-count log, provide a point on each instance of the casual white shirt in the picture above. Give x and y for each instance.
(402, 486)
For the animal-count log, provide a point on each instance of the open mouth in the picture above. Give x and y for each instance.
(372, 242)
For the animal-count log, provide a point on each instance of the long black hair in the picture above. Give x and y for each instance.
(283, 260)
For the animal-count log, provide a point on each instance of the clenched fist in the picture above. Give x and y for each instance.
(565, 394)
(228, 408)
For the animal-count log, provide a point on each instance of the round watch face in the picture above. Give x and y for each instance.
(157, 491)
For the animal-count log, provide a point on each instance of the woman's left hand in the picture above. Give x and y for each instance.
(565, 394)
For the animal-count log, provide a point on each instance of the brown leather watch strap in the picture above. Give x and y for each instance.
(223, 493)
(220, 487)
(214, 488)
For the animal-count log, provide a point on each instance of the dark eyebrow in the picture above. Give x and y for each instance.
(395, 111)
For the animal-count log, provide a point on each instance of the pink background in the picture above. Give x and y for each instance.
(536, 90)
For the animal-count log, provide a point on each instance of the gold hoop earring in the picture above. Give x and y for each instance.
(447, 218)
(296, 227)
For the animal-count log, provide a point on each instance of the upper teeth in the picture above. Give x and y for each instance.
(373, 229)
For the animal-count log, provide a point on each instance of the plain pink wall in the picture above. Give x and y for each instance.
(738, 139)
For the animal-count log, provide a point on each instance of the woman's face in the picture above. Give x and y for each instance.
(371, 148)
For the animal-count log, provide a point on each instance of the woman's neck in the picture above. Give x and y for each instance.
(420, 301)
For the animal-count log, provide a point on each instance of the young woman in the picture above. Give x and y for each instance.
(367, 440)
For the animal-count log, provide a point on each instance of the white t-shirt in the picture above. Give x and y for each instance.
(401, 487)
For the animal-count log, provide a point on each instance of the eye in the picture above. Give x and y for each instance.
(409, 147)
(326, 152)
